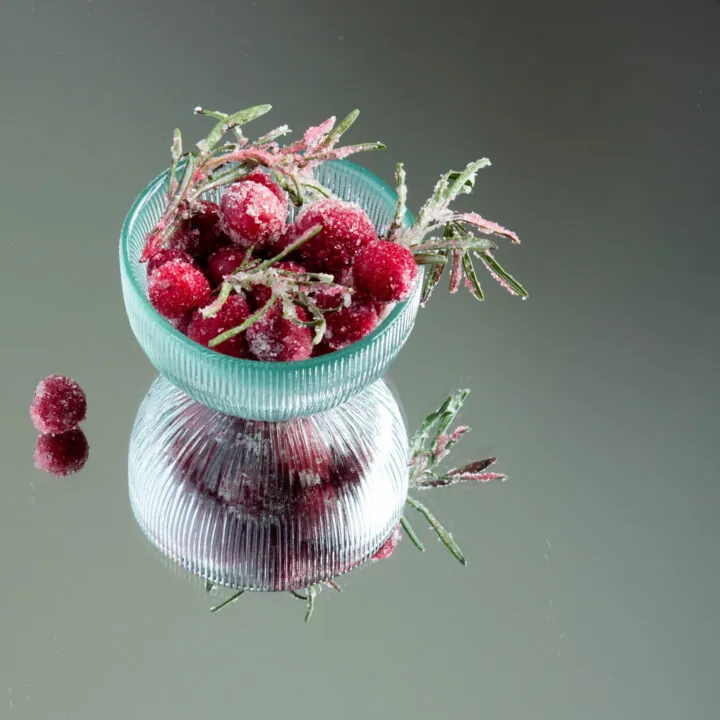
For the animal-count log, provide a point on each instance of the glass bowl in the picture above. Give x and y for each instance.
(249, 388)
(268, 506)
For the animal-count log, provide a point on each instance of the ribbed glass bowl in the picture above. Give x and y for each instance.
(250, 388)
(262, 505)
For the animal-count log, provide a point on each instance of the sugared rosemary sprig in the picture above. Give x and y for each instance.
(213, 165)
(440, 236)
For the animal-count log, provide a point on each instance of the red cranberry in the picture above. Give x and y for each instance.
(251, 214)
(224, 262)
(176, 288)
(62, 454)
(233, 313)
(385, 271)
(276, 339)
(59, 405)
(164, 256)
(346, 228)
(263, 178)
(349, 325)
(201, 234)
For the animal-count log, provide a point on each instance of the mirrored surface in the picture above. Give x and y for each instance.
(591, 586)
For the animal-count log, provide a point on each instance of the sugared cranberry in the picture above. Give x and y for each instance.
(385, 271)
(276, 245)
(329, 298)
(201, 234)
(59, 405)
(263, 178)
(277, 339)
(176, 288)
(166, 255)
(389, 545)
(251, 214)
(233, 313)
(349, 325)
(224, 262)
(346, 228)
(62, 454)
(180, 322)
(260, 294)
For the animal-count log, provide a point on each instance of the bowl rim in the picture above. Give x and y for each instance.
(212, 355)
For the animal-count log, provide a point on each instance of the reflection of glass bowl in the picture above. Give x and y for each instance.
(254, 389)
(268, 505)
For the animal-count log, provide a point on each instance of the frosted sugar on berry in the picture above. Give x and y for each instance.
(164, 256)
(252, 214)
(224, 262)
(384, 271)
(233, 313)
(201, 234)
(176, 287)
(62, 454)
(59, 405)
(260, 176)
(349, 325)
(274, 338)
(346, 228)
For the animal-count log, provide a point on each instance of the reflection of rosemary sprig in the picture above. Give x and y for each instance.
(428, 447)
(214, 165)
(440, 236)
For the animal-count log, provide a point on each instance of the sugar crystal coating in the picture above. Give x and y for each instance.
(233, 313)
(166, 255)
(62, 454)
(59, 405)
(345, 229)
(349, 325)
(252, 214)
(277, 339)
(260, 294)
(201, 234)
(385, 271)
(224, 262)
(177, 287)
(260, 176)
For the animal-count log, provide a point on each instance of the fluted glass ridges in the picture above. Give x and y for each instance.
(268, 505)
(254, 389)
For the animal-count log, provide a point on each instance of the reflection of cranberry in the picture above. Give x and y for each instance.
(389, 545)
(61, 454)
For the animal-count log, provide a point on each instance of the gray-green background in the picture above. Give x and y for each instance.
(592, 587)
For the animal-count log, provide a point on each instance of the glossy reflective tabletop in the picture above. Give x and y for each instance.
(592, 587)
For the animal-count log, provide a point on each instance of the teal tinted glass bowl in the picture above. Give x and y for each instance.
(249, 388)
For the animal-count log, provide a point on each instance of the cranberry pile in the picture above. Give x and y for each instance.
(253, 217)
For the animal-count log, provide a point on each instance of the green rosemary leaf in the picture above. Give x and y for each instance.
(442, 533)
(339, 130)
(471, 280)
(502, 276)
(401, 206)
(411, 534)
(225, 603)
(432, 278)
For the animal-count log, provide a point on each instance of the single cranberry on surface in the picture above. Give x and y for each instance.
(233, 313)
(345, 229)
(200, 235)
(349, 325)
(61, 454)
(59, 405)
(384, 271)
(252, 214)
(389, 545)
(177, 287)
(164, 256)
(224, 262)
(276, 339)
